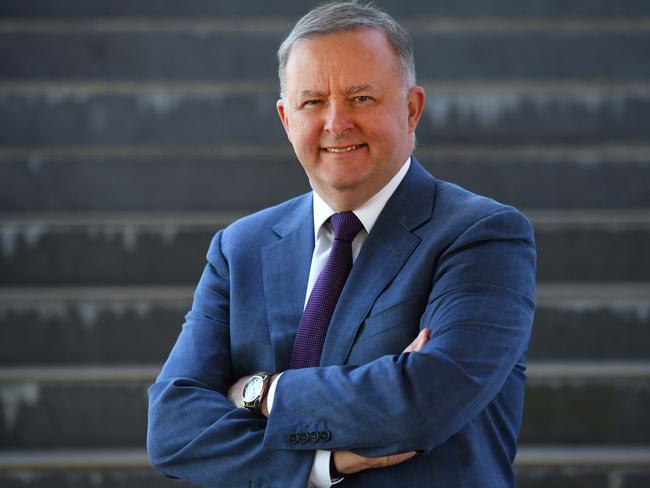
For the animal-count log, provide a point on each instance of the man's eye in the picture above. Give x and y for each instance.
(312, 102)
(362, 98)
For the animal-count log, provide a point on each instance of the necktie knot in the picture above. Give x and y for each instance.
(346, 225)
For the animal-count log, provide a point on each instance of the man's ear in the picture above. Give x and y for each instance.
(416, 100)
(281, 108)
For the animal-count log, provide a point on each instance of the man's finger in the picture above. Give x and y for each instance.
(347, 462)
(396, 459)
(419, 342)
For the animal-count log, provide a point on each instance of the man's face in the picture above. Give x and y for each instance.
(348, 114)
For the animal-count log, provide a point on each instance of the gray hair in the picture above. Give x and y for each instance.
(348, 16)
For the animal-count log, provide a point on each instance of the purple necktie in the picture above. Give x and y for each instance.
(312, 329)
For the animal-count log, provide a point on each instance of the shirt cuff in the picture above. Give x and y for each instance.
(320, 470)
(271, 394)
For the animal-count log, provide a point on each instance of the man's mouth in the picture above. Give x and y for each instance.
(343, 149)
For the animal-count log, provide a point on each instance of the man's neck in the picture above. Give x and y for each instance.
(347, 201)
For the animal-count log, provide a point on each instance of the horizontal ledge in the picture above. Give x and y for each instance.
(74, 459)
(38, 294)
(282, 25)
(588, 370)
(246, 87)
(207, 220)
(611, 218)
(242, 153)
(134, 88)
(537, 370)
(588, 456)
(611, 153)
(527, 457)
(59, 374)
(547, 293)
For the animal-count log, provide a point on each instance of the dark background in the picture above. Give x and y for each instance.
(131, 131)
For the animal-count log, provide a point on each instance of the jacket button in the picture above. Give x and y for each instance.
(325, 435)
(314, 437)
(304, 437)
(292, 438)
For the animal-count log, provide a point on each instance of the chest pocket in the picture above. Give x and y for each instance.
(388, 331)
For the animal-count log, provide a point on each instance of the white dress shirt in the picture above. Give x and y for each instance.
(323, 239)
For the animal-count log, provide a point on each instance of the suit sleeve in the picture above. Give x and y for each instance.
(479, 312)
(194, 431)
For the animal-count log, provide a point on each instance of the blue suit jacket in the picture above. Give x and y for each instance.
(438, 257)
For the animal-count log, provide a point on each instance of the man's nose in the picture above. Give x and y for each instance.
(337, 119)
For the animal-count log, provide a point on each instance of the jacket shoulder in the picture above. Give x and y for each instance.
(461, 208)
(260, 228)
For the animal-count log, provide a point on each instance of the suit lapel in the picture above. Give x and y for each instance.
(285, 272)
(387, 248)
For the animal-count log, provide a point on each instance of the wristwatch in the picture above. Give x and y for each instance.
(255, 390)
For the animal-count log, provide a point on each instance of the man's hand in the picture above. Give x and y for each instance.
(419, 342)
(235, 391)
(347, 462)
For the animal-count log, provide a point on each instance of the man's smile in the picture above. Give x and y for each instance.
(342, 149)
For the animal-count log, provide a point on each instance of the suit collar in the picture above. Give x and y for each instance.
(285, 271)
(383, 255)
(412, 203)
(295, 216)
(286, 264)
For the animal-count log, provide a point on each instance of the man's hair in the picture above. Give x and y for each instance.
(348, 16)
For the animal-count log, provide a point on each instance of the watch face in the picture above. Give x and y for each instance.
(252, 389)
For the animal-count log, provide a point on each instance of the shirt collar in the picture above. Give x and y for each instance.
(368, 213)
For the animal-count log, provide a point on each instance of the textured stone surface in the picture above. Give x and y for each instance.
(122, 253)
(37, 183)
(79, 52)
(526, 99)
(561, 478)
(89, 332)
(141, 329)
(606, 253)
(486, 115)
(586, 412)
(637, 480)
(123, 478)
(591, 330)
(108, 414)
(193, 8)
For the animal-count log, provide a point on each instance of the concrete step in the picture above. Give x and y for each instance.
(537, 467)
(591, 321)
(230, 177)
(592, 246)
(582, 467)
(240, 113)
(244, 49)
(92, 325)
(295, 8)
(170, 249)
(103, 407)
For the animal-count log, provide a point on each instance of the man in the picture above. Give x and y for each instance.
(406, 372)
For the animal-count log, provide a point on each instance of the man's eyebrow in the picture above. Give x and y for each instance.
(359, 88)
(310, 93)
(317, 94)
